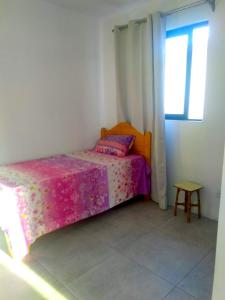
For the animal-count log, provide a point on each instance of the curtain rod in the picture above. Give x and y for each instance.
(198, 3)
(173, 11)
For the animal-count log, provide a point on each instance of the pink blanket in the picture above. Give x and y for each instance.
(39, 196)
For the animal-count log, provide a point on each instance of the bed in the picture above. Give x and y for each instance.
(43, 195)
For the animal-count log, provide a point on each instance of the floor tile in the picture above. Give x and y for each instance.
(148, 211)
(14, 288)
(123, 232)
(52, 281)
(134, 251)
(54, 244)
(177, 294)
(199, 282)
(201, 232)
(67, 294)
(124, 225)
(165, 255)
(44, 274)
(83, 257)
(121, 279)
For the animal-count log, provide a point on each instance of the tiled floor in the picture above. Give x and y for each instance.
(134, 251)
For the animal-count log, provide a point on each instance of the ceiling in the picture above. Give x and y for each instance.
(95, 7)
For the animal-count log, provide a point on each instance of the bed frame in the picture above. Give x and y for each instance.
(142, 144)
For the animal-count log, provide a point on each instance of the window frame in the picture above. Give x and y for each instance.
(185, 30)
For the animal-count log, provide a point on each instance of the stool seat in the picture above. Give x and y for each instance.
(188, 188)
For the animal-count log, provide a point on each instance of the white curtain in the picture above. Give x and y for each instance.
(139, 56)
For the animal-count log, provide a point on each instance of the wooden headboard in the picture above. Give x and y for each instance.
(142, 144)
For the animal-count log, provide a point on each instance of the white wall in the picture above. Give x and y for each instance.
(219, 275)
(194, 149)
(49, 80)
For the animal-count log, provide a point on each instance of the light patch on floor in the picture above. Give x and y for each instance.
(135, 251)
(21, 271)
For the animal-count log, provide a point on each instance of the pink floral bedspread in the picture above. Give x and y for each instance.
(39, 196)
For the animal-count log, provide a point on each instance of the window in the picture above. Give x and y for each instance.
(185, 72)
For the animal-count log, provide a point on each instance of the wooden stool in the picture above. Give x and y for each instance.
(188, 188)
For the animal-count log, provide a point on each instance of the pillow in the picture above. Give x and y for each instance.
(118, 145)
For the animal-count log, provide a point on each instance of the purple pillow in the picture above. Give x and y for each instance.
(118, 145)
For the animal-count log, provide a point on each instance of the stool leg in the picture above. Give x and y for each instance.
(199, 204)
(175, 207)
(189, 208)
(186, 201)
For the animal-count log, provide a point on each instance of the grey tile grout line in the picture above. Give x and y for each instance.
(158, 276)
(174, 285)
(108, 245)
(161, 277)
(94, 267)
(161, 227)
(71, 291)
(58, 281)
(129, 259)
(186, 242)
(196, 265)
(49, 273)
(138, 238)
(181, 290)
(148, 269)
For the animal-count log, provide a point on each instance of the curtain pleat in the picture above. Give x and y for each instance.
(139, 51)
